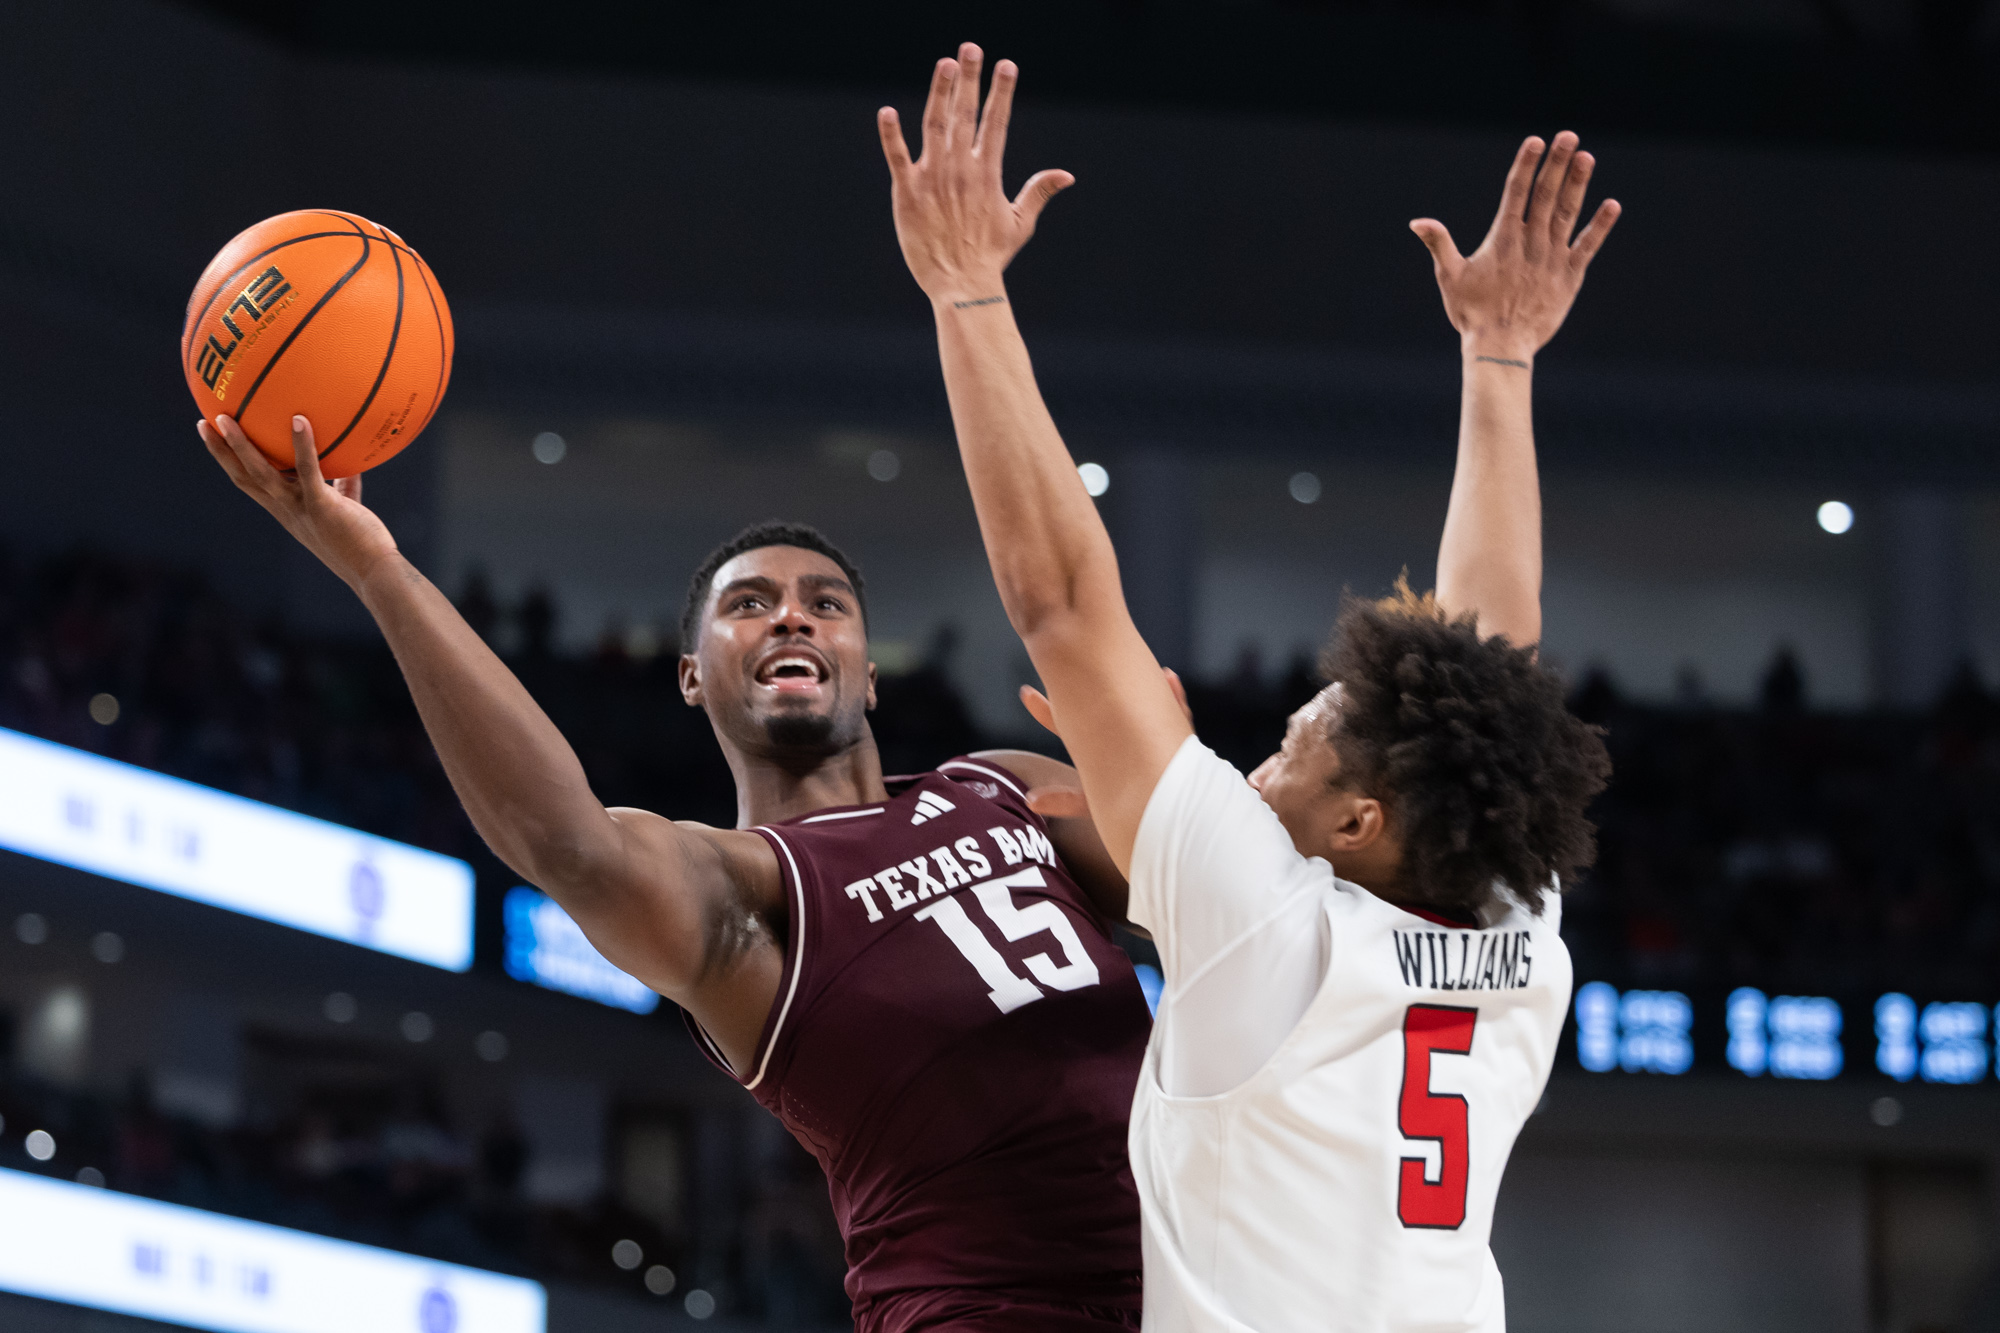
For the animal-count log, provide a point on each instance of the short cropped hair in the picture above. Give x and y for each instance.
(1469, 744)
(771, 532)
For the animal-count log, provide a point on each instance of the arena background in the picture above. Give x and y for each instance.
(665, 236)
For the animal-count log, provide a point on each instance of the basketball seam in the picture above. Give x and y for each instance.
(223, 286)
(444, 353)
(293, 336)
(246, 266)
(389, 355)
(230, 281)
(397, 248)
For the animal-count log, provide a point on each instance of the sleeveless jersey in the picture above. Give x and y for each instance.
(1349, 1183)
(955, 1038)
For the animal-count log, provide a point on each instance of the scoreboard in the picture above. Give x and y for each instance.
(1748, 1033)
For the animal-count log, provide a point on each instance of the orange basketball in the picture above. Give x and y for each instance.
(326, 315)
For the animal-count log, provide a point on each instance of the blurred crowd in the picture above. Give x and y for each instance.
(1796, 849)
(148, 665)
(384, 1165)
(1777, 844)
(400, 1179)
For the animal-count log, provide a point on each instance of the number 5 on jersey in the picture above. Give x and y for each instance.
(1008, 991)
(1441, 1117)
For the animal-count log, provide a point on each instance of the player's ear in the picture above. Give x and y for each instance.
(690, 674)
(1361, 825)
(871, 687)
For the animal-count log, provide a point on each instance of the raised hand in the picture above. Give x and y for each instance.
(1044, 712)
(326, 516)
(1511, 294)
(1068, 802)
(957, 227)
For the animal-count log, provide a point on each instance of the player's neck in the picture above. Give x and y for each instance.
(1377, 868)
(770, 788)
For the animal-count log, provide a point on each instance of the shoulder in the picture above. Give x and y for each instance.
(1204, 822)
(1005, 777)
(1015, 772)
(737, 862)
(1202, 795)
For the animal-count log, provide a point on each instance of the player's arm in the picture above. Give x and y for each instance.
(1051, 556)
(656, 898)
(1056, 794)
(1507, 299)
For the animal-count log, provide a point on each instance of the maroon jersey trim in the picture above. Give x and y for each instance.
(797, 952)
(845, 814)
(794, 955)
(994, 773)
(708, 1046)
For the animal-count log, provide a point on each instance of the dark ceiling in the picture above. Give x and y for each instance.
(1911, 75)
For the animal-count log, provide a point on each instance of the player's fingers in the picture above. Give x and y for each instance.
(256, 467)
(1601, 223)
(937, 106)
(965, 98)
(1179, 692)
(1041, 187)
(890, 126)
(349, 487)
(1548, 184)
(221, 453)
(1520, 176)
(1039, 708)
(1569, 200)
(1438, 241)
(1058, 803)
(992, 141)
(304, 456)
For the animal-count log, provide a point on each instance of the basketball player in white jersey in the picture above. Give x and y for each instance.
(1364, 980)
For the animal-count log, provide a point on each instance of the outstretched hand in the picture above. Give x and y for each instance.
(1068, 802)
(327, 517)
(1511, 294)
(957, 227)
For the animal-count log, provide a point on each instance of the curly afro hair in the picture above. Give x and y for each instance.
(1468, 743)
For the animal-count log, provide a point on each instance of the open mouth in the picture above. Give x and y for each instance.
(792, 672)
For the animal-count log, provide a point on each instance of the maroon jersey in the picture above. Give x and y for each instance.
(957, 1039)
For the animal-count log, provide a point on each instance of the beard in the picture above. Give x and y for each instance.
(812, 732)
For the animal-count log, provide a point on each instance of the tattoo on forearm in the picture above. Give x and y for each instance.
(1502, 361)
(984, 300)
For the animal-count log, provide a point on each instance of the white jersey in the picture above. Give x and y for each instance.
(1347, 1183)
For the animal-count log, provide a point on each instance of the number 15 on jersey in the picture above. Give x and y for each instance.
(1007, 990)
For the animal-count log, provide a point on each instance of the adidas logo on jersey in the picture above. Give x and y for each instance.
(929, 806)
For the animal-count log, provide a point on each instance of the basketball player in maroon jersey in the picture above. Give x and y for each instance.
(916, 976)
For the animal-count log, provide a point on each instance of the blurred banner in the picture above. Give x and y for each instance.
(546, 947)
(85, 1246)
(127, 823)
